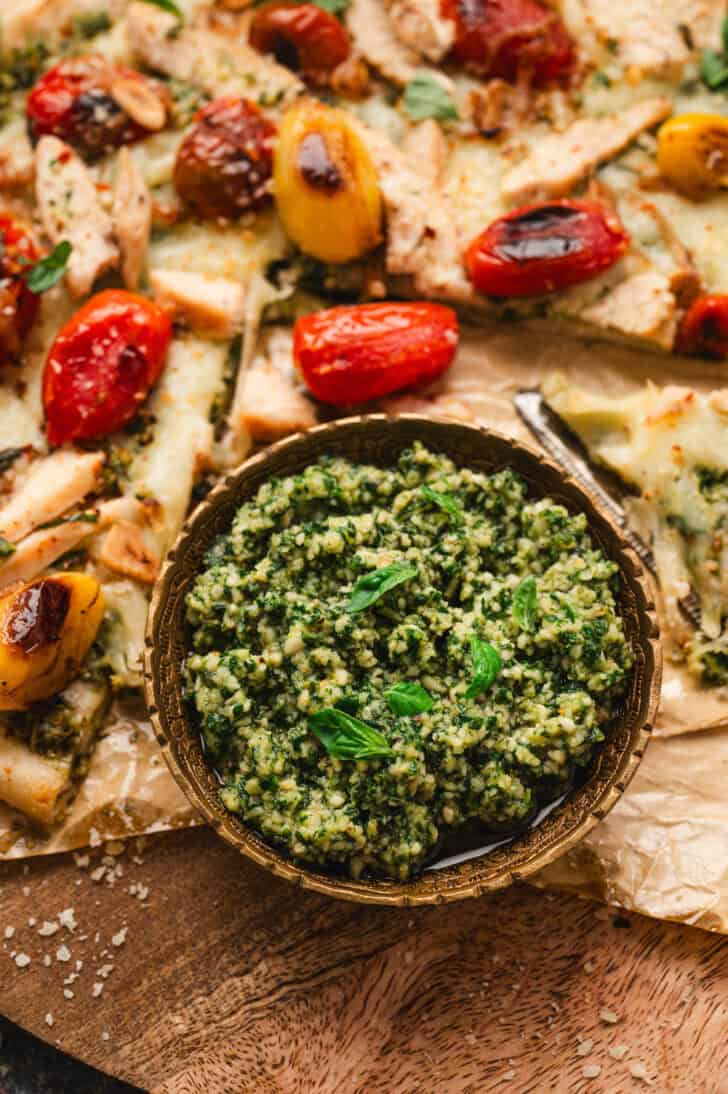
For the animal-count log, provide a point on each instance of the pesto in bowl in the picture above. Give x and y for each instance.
(381, 656)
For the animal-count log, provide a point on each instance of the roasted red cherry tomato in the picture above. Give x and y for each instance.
(225, 162)
(505, 37)
(540, 248)
(18, 305)
(354, 354)
(703, 331)
(303, 37)
(75, 100)
(102, 364)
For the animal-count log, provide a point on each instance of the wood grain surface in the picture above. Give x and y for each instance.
(229, 981)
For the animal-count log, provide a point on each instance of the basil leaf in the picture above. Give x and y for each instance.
(486, 666)
(524, 604)
(6, 548)
(88, 517)
(370, 587)
(167, 5)
(346, 737)
(724, 34)
(49, 270)
(407, 699)
(713, 69)
(424, 97)
(336, 7)
(348, 703)
(8, 456)
(444, 501)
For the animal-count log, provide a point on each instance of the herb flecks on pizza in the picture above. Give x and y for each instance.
(185, 190)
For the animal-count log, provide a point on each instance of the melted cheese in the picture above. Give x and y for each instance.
(661, 440)
(165, 470)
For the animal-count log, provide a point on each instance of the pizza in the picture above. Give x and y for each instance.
(220, 223)
(668, 446)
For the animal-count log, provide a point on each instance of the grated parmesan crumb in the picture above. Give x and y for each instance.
(591, 1071)
(105, 1035)
(638, 1071)
(97, 989)
(9, 932)
(22, 960)
(48, 928)
(618, 1052)
(94, 838)
(67, 919)
(63, 953)
(584, 1047)
(49, 1019)
(47, 959)
(81, 861)
(608, 1016)
(98, 873)
(508, 1075)
(67, 993)
(119, 938)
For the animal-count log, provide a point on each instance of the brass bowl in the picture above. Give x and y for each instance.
(378, 439)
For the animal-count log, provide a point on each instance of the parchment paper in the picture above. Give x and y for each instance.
(663, 850)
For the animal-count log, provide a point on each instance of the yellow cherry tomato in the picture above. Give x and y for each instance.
(47, 627)
(692, 153)
(326, 187)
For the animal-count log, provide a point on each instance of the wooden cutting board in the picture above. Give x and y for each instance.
(225, 980)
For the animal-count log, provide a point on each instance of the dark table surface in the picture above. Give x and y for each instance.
(28, 1066)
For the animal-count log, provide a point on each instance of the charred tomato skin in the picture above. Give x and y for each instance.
(102, 365)
(18, 305)
(303, 37)
(72, 101)
(506, 37)
(225, 162)
(544, 247)
(352, 354)
(703, 331)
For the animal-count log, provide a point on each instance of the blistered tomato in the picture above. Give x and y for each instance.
(303, 37)
(507, 37)
(102, 364)
(225, 162)
(703, 331)
(365, 351)
(81, 101)
(692, 153)
(540, 248)
(18, 305)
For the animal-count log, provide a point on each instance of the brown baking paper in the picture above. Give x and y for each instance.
(663, 850)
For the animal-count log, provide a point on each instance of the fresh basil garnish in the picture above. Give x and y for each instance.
(348, 703)
(336, 7)
(44, 274)
(486, 666)
(524, 604)
(89, 516)
(407, 698)
(6, 548)
(167, 5)
(346, 737)
(714, 69)
(446, 502)
(424, 97)
(372, 586)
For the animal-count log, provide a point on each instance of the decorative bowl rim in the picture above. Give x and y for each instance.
(180, 741)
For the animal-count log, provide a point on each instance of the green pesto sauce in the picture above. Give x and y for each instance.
(274, 641)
